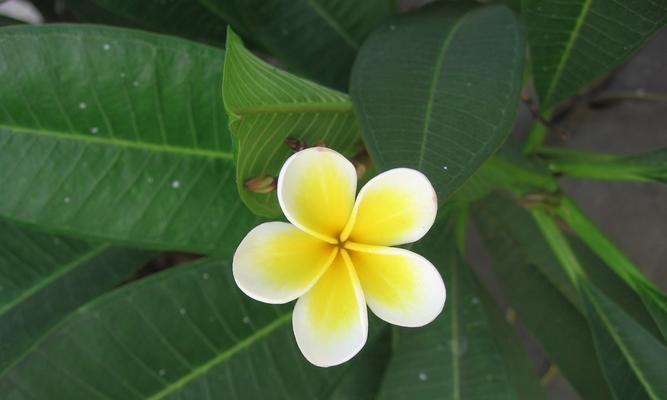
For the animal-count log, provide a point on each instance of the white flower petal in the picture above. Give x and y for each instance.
(277, 262)
(401, 287)
(316, 190)
(396, 207)
(330, 321)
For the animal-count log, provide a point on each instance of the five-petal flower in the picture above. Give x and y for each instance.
(334, 256)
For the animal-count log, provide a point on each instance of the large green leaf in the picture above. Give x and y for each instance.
(315, 38)
(462, 354)
(528, 275)
(632, 359)
(194, 19)
(267, 106)
(186, 333)
(118, 135)
(437, 90)
(43, 278)
(575, 43)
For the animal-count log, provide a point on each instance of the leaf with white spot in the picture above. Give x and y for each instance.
(433, 90)
(185, 333)
(117, 135)
(469, 351)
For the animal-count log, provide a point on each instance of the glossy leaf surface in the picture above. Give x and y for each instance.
(186, 333)
(436, 93)
(43, 278)
(117, 135)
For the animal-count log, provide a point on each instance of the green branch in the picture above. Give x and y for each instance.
(651, 166)
(559, 244)
(602, 246)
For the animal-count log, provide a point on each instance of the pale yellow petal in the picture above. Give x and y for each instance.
(396, 207)
(330, 321)
(316, 190)
(277, 262)
(401, 287)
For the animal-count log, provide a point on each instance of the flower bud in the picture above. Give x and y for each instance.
(295, 144)
(261, 184)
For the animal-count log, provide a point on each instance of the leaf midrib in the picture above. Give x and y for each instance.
(611, 329)
(120, 142)
(568, 49)
(25, 295)
(335, 26)
(434, 83)
(204, 368)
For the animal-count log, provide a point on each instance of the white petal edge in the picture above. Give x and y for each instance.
(249, 276)
(286, 186)
(431, 289)
(403, 179)
(314, 349)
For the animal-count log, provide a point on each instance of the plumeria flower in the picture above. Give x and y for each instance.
(335, 257)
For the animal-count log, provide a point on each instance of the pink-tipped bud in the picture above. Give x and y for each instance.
(295, 144)
(261, 184)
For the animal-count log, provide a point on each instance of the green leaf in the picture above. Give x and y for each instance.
(437, 90)
(267, 106)
(186, 333)
(4, 21)
(654, 299)
(631, 358)
(43, 278)
(519, 367)
(318, 39)
(195, 20)
(618, 336)
(460, 355)
(609, 283)
(549, 307)
(572, 45)
(117, 135)
(363, 379)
